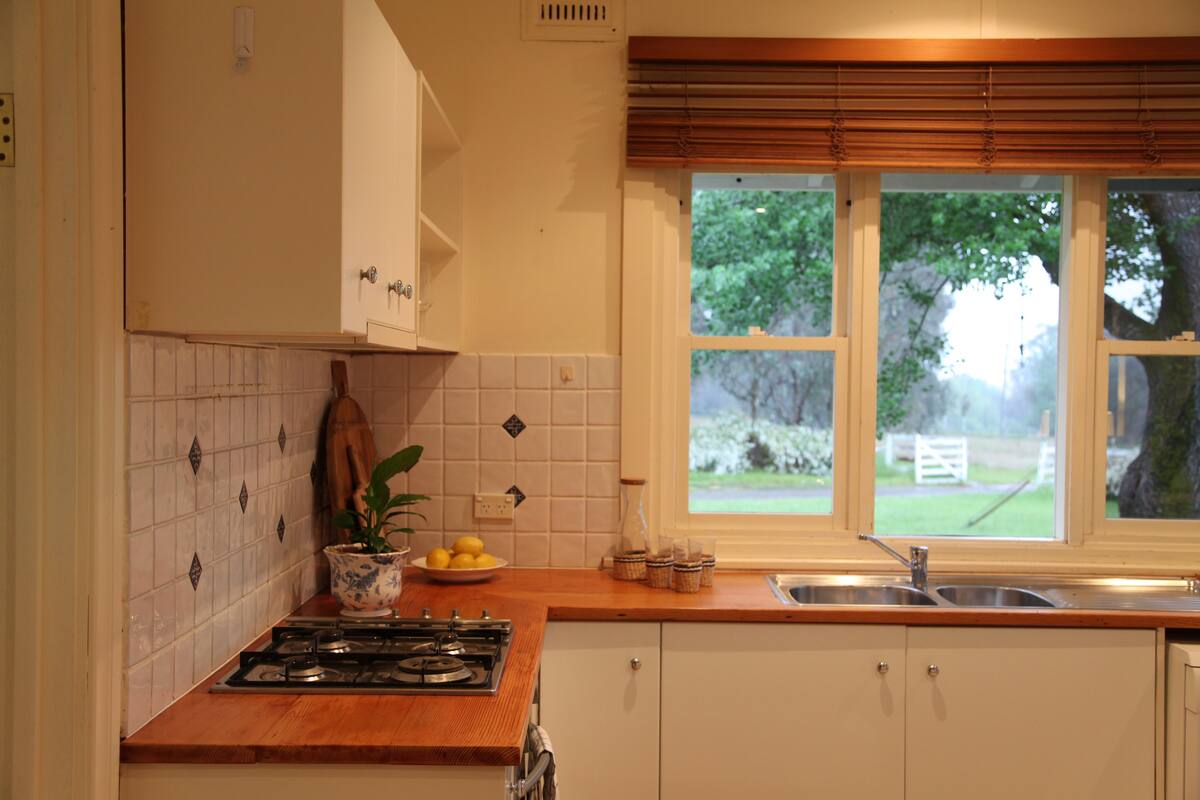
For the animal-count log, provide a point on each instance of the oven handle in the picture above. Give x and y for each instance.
(522, 787)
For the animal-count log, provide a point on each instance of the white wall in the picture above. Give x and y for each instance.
(542, 124)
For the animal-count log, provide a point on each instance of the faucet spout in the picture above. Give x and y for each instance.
(917, 564)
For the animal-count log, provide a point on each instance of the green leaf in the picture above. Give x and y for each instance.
(393, 465)
(404, 500)
(346, 519)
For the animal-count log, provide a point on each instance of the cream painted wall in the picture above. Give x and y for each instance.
(542, 125)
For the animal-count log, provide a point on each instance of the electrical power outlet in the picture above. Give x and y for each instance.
(494, 506)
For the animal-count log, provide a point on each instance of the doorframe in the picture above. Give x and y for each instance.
(67, 376)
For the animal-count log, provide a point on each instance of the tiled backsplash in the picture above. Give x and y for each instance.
(504, 423)
(225, 529)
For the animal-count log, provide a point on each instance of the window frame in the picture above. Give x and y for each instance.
(657, 251)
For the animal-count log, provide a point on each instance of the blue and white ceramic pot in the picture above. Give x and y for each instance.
(366, 584)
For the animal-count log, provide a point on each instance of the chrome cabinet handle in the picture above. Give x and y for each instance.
(401, 289)
(934, 670)
(370, 274)
(882, 667)
(635, 663)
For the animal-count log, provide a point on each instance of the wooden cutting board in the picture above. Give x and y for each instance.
(349, 444)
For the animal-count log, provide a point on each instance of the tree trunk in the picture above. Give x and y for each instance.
(1163, 481)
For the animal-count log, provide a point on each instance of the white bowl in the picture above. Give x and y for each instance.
(447, 575)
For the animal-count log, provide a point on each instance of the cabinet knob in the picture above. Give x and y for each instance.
(370, 274)
(635, 663)
(882, 667)
(408, 292)
(934, 670)
(401, 289)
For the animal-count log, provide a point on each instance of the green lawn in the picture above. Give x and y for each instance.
(1028, 515)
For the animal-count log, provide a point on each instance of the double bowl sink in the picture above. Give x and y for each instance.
(877, 590)
(984, 591)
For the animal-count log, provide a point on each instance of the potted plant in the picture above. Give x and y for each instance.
(365, 575)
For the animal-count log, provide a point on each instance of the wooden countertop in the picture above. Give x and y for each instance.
(202, 727)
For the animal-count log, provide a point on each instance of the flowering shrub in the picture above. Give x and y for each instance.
(728, 443)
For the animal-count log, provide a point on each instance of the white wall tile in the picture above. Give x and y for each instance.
(165, 434)
(495, 477)
(425, 371)
(462, 371)
(140, 628)
(140, 484)
(533, 406)
(185, 488)
(184, 666)
(567, 514)
(600, 545)
(604, 372)
(428, 436)
(164, 492)
(495, 444)
(461, 442)
(185, 368)
(533, 444)
(204, 368)
(603, 515)
(603, 480)
(185, 607)
(497, 372)
(533, 549)
(220, 368)
(141, 433)
(578, 368)
(461, 406)
(164, 366)
(496, 406)
(141, 563)
(141, 366)
(567, 444)
(603, 443)
(569, 408)
(202, 663)
(533, 478)
(533, 372)
(568, 479)
(533, 515)
(424, 406)
(164, 616)
(162, 687)
(567, 550)
(138, 683)
(604, 407)
(461, 477)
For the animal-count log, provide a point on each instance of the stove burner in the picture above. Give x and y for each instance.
(331, 641)
(444, 644)
(431, 669)
(302, 668)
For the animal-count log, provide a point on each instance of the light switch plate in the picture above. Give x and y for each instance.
(494, 506)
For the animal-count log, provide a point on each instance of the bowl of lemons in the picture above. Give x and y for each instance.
(464, 562)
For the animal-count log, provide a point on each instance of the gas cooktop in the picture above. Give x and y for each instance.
(332, 655)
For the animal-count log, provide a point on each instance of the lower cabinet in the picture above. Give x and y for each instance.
(850, 711)
(782, 710)
(600, 703)
(1034, 713)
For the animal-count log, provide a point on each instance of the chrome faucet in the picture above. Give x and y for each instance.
(918, 564)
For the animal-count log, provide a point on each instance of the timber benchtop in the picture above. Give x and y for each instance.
(202, 727)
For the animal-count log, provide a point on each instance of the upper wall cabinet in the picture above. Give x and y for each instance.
(439, 277)
(272, 191)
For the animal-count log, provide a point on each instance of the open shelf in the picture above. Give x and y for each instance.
(436, 246)
(437, 134)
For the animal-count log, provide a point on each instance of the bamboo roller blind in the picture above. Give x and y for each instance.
(1079, 105)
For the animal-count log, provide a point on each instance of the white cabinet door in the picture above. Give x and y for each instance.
(1039, 714)
(600, 707)
(782, 710)
(403, 309)
(371, 203)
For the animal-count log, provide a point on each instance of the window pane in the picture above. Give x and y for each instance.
(761, 438)
(1153, 464)
(762, 254)
(1152, 259)
(968, 356)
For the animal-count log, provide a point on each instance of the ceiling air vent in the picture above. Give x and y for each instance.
(573, 22)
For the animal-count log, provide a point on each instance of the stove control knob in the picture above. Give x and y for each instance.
(455, 615)
(485, 615)
(425, 614)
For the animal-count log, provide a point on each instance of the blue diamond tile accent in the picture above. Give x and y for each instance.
(243, 497)
(194, 455)
(195, 570)
(282, 438)
(514, 426)
(518, 495)
(280, 527)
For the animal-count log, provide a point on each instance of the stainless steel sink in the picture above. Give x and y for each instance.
(819, 594)
(993, 597)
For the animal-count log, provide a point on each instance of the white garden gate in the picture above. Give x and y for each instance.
(940, 459)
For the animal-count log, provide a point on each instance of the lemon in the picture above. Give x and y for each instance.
(485, 560)
(438, 558)
(463, 561)
(471, 545)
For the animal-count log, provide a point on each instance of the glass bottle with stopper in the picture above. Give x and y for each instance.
(629, 563)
